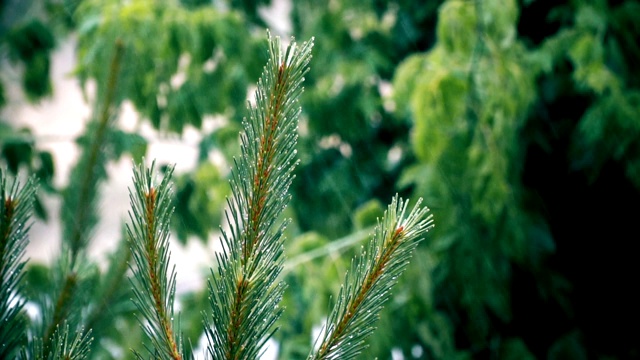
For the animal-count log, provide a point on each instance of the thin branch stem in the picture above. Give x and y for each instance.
(152, 257)
(334, 247)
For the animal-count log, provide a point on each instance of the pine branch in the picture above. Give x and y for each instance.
(368, 283)
(244, 292)
(66, 308)
(149, 238)
(81, 195)
(16, 204)
(79, 215)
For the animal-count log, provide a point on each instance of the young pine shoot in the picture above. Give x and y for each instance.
(245, 290)
(149, 238)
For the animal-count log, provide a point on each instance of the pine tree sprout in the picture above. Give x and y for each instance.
(367, 285)
(245, 290)
(15, 210)
(149, 238)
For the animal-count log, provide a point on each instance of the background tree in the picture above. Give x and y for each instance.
(517, 121)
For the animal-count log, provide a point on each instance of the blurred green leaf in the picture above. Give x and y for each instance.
(368, 214)
(200, 201)
(130, 143)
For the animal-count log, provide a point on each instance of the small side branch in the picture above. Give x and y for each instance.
(367, 285)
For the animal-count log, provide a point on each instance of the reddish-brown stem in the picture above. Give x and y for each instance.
(9, 206)
(257, 203)
(264, 164)
(152, 259)
(237, 315)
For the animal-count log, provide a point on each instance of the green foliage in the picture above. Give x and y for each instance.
(246, 289)
(199, 201)
(312, 275)
(348, 132)
(204, 46)
(600, 70)
(505, 116)
(468, 97)
(15, 206)
(31, 43)
(200, 64)
(18, 152)
(17, 149)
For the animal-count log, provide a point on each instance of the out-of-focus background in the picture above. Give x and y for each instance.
(518, 122)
